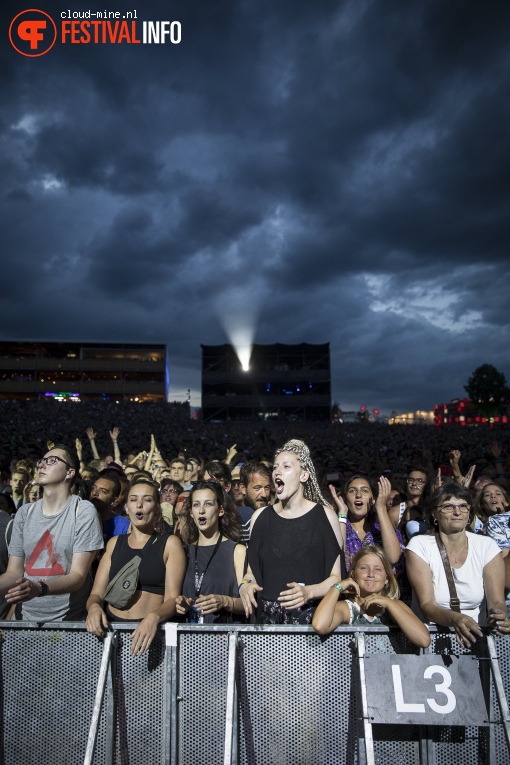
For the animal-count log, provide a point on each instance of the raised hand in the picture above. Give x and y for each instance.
(341, 507)
(466, 480)
(231, 452)
(454, 460)
(383, 494)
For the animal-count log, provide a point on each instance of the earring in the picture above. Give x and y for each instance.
(435, 521)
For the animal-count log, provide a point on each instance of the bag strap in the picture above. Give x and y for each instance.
(149, 544)
(454, 598)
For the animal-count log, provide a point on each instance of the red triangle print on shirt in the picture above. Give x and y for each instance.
(53, 567)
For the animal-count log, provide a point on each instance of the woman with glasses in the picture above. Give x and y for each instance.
(409, 516)
(169, 492)
(475, 562)
(218, 472)
(181, 510)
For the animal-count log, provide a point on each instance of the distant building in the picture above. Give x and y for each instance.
(465, 412)
(284, 382)
(83, 371)
(412, 418)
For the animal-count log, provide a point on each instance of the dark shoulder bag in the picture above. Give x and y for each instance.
(122, 587)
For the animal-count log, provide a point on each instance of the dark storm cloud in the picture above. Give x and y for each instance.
(335, 172)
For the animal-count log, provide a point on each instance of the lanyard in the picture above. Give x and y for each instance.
(199, 578)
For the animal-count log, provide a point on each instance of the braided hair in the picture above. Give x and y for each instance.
(311, 487)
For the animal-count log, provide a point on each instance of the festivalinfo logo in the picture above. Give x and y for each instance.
(34, 32)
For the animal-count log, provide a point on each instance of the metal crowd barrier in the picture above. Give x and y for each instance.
(233, 694)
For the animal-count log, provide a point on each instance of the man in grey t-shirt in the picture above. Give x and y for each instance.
(53, 544)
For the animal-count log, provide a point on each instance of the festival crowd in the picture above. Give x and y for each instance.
(135, 513)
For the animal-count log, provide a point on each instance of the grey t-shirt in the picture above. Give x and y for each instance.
(47, 545)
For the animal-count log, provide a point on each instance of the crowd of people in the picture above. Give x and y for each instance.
(123, 512)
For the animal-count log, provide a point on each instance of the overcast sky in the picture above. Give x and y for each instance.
(311, 171)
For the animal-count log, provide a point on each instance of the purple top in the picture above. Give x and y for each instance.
(373, 537)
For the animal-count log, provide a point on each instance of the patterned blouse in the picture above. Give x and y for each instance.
(498, 527)
(373, 537)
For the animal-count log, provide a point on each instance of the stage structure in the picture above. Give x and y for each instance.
(69, 371)
(284, 382)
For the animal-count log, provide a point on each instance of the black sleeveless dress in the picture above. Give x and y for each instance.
(284, 550)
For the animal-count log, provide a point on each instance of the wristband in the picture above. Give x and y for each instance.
(342, 518)
(244, 581)
(338, 586)
(43, 588)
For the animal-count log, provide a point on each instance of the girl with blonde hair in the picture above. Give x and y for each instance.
(370, 597)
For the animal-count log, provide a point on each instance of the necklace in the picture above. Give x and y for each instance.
(456, 557)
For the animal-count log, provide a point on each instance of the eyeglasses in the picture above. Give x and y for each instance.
(213, 479)
(51, 460)
(419, 481)
(170, 490)
(450, 508)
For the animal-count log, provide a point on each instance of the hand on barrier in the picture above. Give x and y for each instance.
(295, 597)
(467, 630)
(144, 634)
(499, 621)
(23, 590)
(96, 622)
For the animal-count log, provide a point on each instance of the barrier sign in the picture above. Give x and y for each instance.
(424, 690)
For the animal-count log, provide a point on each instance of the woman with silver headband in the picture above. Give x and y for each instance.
(295, 545)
